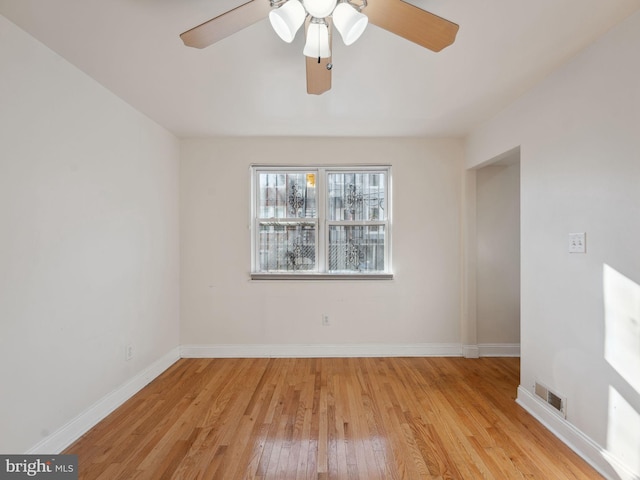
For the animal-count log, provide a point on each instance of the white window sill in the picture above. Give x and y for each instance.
(322, 276)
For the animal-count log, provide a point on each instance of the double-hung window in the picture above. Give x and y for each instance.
(321, 222)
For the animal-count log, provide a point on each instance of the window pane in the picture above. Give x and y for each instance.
(357, 196)
(287, 247)
(356, 248)
(287, 195)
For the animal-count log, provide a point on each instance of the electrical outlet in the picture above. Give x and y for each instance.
(325, 320)
(577, 242)
(128, 352)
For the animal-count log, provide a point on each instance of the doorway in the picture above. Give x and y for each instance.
(494, 254)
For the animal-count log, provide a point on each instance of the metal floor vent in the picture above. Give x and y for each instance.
(556, 402)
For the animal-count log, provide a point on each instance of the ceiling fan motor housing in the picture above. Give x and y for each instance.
(319, 8)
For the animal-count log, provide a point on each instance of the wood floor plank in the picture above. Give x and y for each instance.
(325, 419)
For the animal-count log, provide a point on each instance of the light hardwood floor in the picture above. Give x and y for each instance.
(329, 418)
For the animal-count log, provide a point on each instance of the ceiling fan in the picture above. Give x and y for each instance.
(318, 16)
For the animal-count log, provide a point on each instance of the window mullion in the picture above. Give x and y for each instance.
(322, 239)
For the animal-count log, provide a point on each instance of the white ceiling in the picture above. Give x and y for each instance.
(252, 83)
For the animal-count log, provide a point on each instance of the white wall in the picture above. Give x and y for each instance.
(579, 133)
(498, 254)
(88, 241)
(220, 305)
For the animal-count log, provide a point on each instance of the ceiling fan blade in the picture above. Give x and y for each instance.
(319, 73)
(226, 24)
(412, 23)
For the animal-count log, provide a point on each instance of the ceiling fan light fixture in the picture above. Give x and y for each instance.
(349, 22)
(287, 19)
(317, 45)
(319, 8)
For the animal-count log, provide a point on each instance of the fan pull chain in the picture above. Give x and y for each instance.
(318, 46)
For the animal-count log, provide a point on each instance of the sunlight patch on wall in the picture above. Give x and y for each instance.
(622, 352)
(623, 437)
(622, 325)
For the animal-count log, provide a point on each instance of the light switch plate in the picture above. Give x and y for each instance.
(578, 242)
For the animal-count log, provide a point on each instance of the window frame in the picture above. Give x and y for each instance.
(322, 223)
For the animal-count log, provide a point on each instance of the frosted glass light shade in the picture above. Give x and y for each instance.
(349, 22)
(319, 8)
(287, 19)
(317, 45)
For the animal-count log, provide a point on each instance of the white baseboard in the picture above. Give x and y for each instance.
(307, 351)
(499, 349)
(69, 433)
(470, 351)
(491, 350)
(575, 439)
